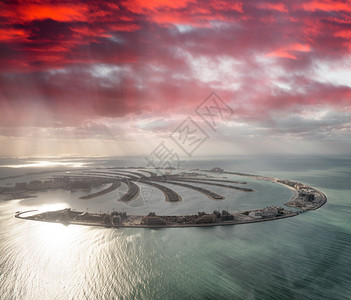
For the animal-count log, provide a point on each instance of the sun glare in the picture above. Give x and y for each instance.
(57, 234)
(58, 237)
(44, 164)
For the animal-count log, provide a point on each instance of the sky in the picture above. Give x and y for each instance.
(116, 78)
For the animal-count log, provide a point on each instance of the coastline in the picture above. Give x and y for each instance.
(304, 198)
(288, 215)
(296, 193)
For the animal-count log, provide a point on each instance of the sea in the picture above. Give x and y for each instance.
(304, 257)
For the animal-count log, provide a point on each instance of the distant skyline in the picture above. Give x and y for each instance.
(114, 78)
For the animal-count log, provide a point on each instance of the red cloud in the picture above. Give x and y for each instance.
(141, 6)
(287, 51)
(156, 66)
(273, 6)
(326, 5)
(227, 5)
(188, 12)
(11, 34)
(344, 33)
(56, 12)
(124, 27)
(59, 12)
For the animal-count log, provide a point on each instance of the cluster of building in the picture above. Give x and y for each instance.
(67, 216)
(170, 194)
(175, 179)
(208, 193)
(64, 182)
(224, 216)
(200, 218)
(266, 213)
(117, 217)
(217, 170)
(115, 184)
(152, 219)
(306, 196)
(296, 185)
(37, 185)
(133, 192)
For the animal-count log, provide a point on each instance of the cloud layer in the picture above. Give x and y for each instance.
(283, 66)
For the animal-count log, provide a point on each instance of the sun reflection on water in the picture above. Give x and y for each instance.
(58, 237)
(57, 257)
(44, 163)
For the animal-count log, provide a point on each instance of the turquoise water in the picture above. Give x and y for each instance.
(305, 257)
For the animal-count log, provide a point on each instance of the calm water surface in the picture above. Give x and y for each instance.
(305, 257)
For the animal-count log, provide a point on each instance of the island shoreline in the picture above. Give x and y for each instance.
(305, 198)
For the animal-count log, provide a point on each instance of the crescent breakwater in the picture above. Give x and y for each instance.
(305, 198)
